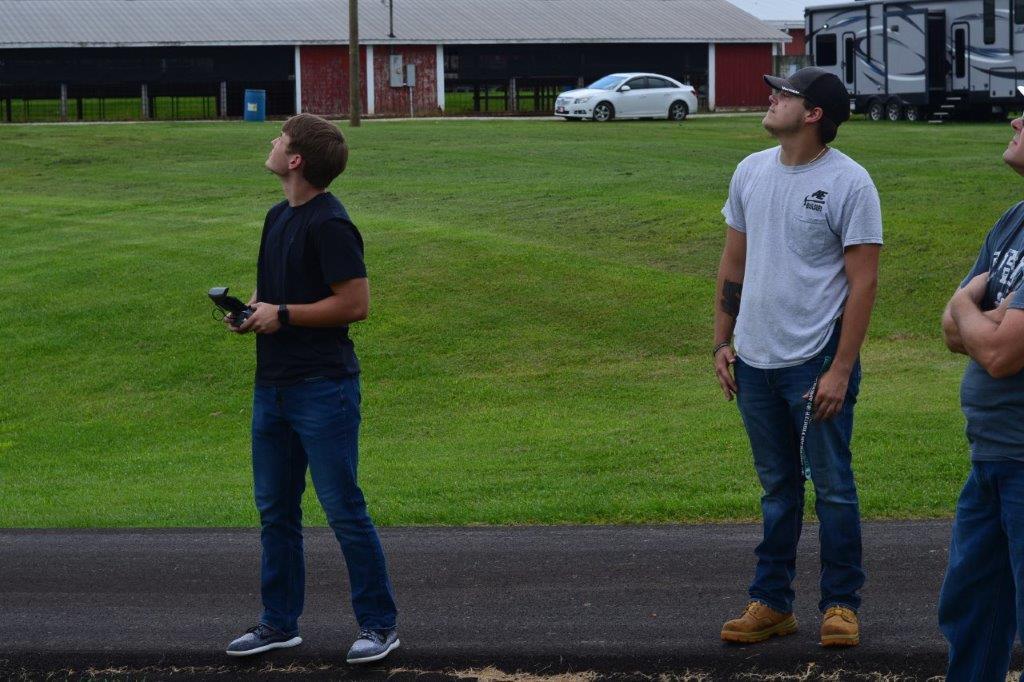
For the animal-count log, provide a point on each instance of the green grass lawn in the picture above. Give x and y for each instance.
(537, 350)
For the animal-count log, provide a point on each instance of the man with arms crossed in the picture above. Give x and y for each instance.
(311, 284)
(796, 286)
(981, 607)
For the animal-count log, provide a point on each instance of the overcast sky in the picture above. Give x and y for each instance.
(780, 10)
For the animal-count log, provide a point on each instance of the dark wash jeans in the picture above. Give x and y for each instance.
(314, 423)
(981, 606)
(772, 406)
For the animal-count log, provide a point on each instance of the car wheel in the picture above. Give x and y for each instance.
(604, 111)
(678, 111)
(876, 110)
(894, 110)
(912, 113)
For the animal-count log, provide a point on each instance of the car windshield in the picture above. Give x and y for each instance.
(607, 83)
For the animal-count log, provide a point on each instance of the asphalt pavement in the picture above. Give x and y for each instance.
(624, 600)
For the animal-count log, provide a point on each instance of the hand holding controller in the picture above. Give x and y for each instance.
(238, 311)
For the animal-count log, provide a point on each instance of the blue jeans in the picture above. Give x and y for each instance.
(314, 423)
(772, 405)
(981, 606)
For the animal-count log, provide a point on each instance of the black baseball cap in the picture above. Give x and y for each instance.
(820, 88)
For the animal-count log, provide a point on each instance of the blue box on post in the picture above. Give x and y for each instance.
(255, 105)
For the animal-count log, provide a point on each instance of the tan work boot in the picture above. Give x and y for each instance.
(758, 623)
(839, 627)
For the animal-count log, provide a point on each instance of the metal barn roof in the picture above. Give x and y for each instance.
(138, 23)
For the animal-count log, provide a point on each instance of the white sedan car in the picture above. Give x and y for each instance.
(628, 95)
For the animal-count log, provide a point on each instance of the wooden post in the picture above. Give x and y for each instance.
(513, 98)
(223, 99)
(63, 101)
(144, 107)
(354, 101)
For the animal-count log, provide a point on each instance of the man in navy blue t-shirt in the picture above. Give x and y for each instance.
(982, 602)
(311, 284)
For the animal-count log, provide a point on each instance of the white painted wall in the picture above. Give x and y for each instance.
(370, 77)
(440, 76)
(711, 76)
(298, 80)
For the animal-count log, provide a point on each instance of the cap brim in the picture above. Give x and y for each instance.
(781, 84)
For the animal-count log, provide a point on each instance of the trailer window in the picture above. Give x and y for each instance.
(848, 59)
(825, 49)
(960, 52)
(1018, 12)
(988, 17)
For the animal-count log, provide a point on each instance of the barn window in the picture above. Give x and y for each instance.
(825, 49)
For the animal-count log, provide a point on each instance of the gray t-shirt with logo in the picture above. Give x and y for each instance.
(994, 408)
(798, 221)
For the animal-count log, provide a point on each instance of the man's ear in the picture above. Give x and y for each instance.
(814, 115)
(294, 161)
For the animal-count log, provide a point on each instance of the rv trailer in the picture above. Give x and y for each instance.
(922, 59)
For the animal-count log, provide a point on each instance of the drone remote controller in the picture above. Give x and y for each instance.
(230, 305)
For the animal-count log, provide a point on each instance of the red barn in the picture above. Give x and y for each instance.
(417, 57)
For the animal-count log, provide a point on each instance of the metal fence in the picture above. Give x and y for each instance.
(515, 96)
(45, 102)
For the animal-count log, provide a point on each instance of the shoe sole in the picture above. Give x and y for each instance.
(786, 627)
(294, 641)
(376, 657)
(840, 640)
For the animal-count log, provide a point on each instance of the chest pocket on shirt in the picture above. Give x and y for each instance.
(810, 238)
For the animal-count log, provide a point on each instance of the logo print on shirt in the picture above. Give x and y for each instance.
(1009, 268)
(816, 201)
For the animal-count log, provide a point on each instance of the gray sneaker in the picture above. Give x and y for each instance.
(261, 638)
(373, 645)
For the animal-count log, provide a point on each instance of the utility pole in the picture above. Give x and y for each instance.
(354, 101)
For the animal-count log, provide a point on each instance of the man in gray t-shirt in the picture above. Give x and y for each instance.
(982, 602)
(796, 286)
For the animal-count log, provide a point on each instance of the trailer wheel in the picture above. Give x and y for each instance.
(876, 110)
(894, 110)
(912, 113)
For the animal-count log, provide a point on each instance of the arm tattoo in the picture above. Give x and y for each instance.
(730, 302)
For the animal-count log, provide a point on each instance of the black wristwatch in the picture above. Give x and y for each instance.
(282, 314)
